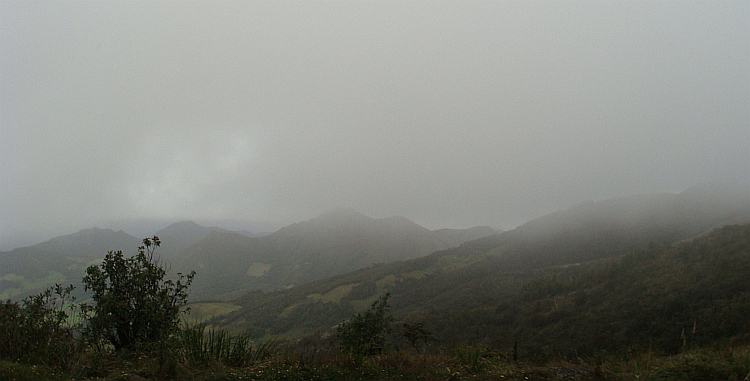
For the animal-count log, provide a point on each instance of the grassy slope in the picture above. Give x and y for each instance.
(479, 292)
(666, 297)
(30, 270)
(462, 363)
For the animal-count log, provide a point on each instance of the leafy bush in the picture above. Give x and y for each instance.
(364, 334)
(134, 305)
(416, 332)
(37, 330)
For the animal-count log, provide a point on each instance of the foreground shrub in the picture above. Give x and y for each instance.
(134, 305)
(37, 330)
(364, 334)
(203, 348)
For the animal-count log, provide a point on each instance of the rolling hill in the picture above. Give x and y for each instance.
(232, 263)
(508, 287)
(337, 242)
(30, 270)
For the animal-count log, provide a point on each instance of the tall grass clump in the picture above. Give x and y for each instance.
(720, 362)
(201, 347)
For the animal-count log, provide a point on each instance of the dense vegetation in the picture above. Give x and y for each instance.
(488, 271)
(132, 302)
(663, 298)
(229, 263)
(667, 311)
(474, 295)
(546, 302)
(134, 315)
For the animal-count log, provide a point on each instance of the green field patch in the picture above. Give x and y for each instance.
(382, 286)
(81, 263)
(337, 293)
(387, 280)
(288, 310)
(419, 274)
(450, 262)
(334, 295)
(258, 269)
(28, 286)
(362, 305)
(314, 297)
(200, 312)
(77, 267)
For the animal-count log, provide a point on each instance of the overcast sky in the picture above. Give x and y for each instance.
(452, 114)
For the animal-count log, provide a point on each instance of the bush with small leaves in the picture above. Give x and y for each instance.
(364, 334)
(37, 330)
(133, 303)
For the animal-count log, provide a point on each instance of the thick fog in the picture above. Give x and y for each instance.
(451, 114)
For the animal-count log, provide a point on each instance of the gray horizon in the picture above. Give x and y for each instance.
(450, 113)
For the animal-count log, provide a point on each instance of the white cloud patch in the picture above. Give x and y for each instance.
(450, 113)
(176, 175)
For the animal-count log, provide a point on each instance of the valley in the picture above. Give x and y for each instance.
(660, 274)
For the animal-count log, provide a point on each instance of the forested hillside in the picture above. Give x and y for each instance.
(230, 264)
(29, 270)
(534, 283)
(663, 297)
(63, 260)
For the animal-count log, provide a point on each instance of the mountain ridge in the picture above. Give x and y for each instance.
(339, 240)
(335, 242)
(479, 271)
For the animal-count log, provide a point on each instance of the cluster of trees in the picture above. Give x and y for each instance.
(646, 298)
(133, 306)
(36, 330)
(135, 309)
(665, 297)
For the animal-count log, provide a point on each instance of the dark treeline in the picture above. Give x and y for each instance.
(664, 297)
(450, 317)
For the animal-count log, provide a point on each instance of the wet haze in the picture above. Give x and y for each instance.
(452, 114)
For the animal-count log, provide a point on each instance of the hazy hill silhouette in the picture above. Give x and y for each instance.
(333, 243)
(30, 270)
(459, 283)
(231, 263)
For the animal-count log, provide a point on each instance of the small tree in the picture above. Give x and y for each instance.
(364, 334)
(416, 332)
(133, 302)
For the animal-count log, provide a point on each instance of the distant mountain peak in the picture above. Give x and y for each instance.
(185, 223)
(183, 227)
(342, 212)
(339, 216)
(93, 230)
(398, 218)
(401, 222)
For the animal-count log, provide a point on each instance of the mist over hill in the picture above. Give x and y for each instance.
(231, 263)
(336, 242)
(460, 292)
(29, 270)
(345, 259)
(179, 236)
